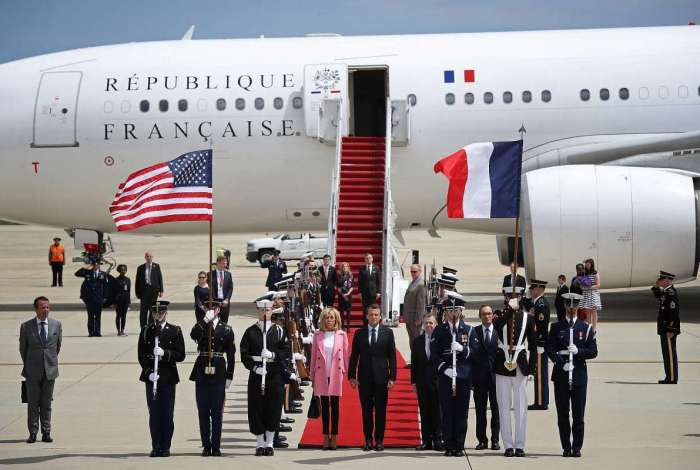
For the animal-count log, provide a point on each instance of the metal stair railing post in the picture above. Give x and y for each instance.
(335, 187)
(387, 229)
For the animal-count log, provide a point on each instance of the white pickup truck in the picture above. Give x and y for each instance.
(291, 247)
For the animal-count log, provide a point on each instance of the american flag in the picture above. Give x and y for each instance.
(178, 190)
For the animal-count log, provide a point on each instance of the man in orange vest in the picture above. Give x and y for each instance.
(57, 258)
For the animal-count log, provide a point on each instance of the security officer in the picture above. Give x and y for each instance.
(453, 336)
(212, 375)
(170, 350)
(93, 293)
(540, 312)
(570, 342)
(668, 324)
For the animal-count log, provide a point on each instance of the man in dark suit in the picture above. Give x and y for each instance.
(424, 382)
(514, 276)
(93, 292)
(148, 286)
(559, 302)
(276, 269)
(39, 345)
(373, 367)
(329, 281)
(222, 287)
(540, 312)
(170, 350)
(370, 285)
(484, 379)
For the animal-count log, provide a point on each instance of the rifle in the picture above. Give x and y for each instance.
(454, 359)
(571, 358)
(154, 375)
(264, 359)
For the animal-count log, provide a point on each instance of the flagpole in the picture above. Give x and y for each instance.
(210, 277)
(515, 251)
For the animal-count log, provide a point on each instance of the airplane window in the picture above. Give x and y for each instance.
(240, 104)
(644, 93)
(507, 97)
(278, 103)
(546, 96)
(585, 94)
(450, 99)
(182, 105)
(488, 97)
(259, 103)
(624, 93)
(297, 102)
(411, 99)
(682, 91)
(144, 105)
(109, 107)
(221, 104)
(126, 106)
(604, 94)
(527, 96)
(163, 105)
(469, 98)
(663, 92)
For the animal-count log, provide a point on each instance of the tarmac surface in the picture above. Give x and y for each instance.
(99, 409)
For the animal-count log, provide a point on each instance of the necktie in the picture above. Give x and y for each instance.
(373, 339)
(488, 336)
(571, 323)
(43, 332)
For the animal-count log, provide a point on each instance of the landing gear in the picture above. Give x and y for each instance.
(94, 246)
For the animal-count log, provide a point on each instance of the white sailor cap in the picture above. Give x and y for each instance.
(263, 303)
(280, 294)
(508, 290)
(572, 298)
(277, 310)
(454, 295)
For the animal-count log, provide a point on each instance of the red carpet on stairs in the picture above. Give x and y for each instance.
(402, 425)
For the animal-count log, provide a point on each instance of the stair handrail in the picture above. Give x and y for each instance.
(388, 222)
(335, 187)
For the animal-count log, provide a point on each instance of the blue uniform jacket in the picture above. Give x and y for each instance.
(440, 349)
(558, 340)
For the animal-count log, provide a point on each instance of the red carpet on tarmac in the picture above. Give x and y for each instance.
(402, 426)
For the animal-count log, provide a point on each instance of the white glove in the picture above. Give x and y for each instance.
(300, 357)
(306, 339)
(158, 351)
(209, 316)
(530, 378)
(568, 366)
(573, 349)
(293, 376)
(456, 347)
(450, 372)
(514, 304)
(266, 354)
(228, 383)
(259, 370)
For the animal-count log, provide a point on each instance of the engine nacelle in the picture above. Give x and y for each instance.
(631, 221)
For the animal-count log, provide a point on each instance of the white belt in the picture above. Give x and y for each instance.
(213, 354)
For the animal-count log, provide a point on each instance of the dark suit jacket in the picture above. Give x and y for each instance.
(369, 284)
(227, 287)
(423, 371)
(519, 281)
(373, 364)
(332, 280)
(39, 357)
(173, 345)
(275, 271)
(484, 359)
(559, 301)
(156, 279)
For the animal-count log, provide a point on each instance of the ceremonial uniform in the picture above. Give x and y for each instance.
(570, 389)
(668, 321)
(275, 271)
(210, 388)
(92, 293)
(454, 406)
(541, 382)
(161, 408)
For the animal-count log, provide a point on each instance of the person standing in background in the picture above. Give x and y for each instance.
(201, 296)
(559, 302)
(92, 292)
(329, 279)
(591, 296)
(345, 288)
(122, 299)
(668, 324)
(414, 303)
(222, 287)
(148, 287)
(57, 259)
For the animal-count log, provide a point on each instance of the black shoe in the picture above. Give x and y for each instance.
(537, 407)
(294, 410)
(259, 452)
(424, 447)
(495, 445)
(154, 453)
(379, 446)
(31, 439)
(439, 446)
(458, 453)
(482, 446)
(368, 446)
(566, 453)
(216, 452)
(46, 438)
(448, 453)
(508, 453)
(519, 453)
(206, 452)
(668, 382)
(279, 445)
(164, 453)
(287, 420)
(282, 438)
(285, 428)
(576, 453)
(269, 451)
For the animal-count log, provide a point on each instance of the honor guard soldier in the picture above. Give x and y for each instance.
(513, 369)
(161, 346)
(447, 295)
(261, 347)
(212, 374)
(93, 292)
(540, 312)
(451, 347)
(668, 324)
(570, 342)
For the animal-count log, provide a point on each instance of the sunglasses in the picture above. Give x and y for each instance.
(202, 277)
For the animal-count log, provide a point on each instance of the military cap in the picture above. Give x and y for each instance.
(277, 314)
(666, 275)
(572, 298)
(160, 306)
(534, 283)
(263, 303)
(445, 282)
(446, 270)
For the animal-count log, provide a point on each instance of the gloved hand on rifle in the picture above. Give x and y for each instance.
(307, 339)
(158, 351)
(209, 316)
(260, 371)
(266, 354)
(300, 357)
(456, 347)
(573, 349)
(450, 372)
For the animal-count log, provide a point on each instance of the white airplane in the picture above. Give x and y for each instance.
(610, 120)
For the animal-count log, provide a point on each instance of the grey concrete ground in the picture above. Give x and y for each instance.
(100, 418)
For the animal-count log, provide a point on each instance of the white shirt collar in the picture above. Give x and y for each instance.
(38, 322)
(488, 328)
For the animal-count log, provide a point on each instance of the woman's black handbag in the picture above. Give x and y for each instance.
(314, 408)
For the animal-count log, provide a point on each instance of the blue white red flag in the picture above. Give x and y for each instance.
(484, 180)
(178, 190)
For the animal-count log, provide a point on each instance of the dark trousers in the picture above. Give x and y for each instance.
(345, 307)
(223, 313)
(57, 272)
(120, 319)
(39, 396)
(454, 411)
(264, 411)
(374, 397)
(94, 318)
(327, 296)
(561, 312)
(429, 407)
(330, 412)
(541, 379)
(148, 299)
(486, 393)
(574, 400)
(161, 415)
(668, 351)
(210, 403)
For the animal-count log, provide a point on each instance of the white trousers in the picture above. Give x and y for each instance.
(512, 391)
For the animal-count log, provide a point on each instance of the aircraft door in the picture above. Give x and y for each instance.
(55, 110)
(323, 82)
